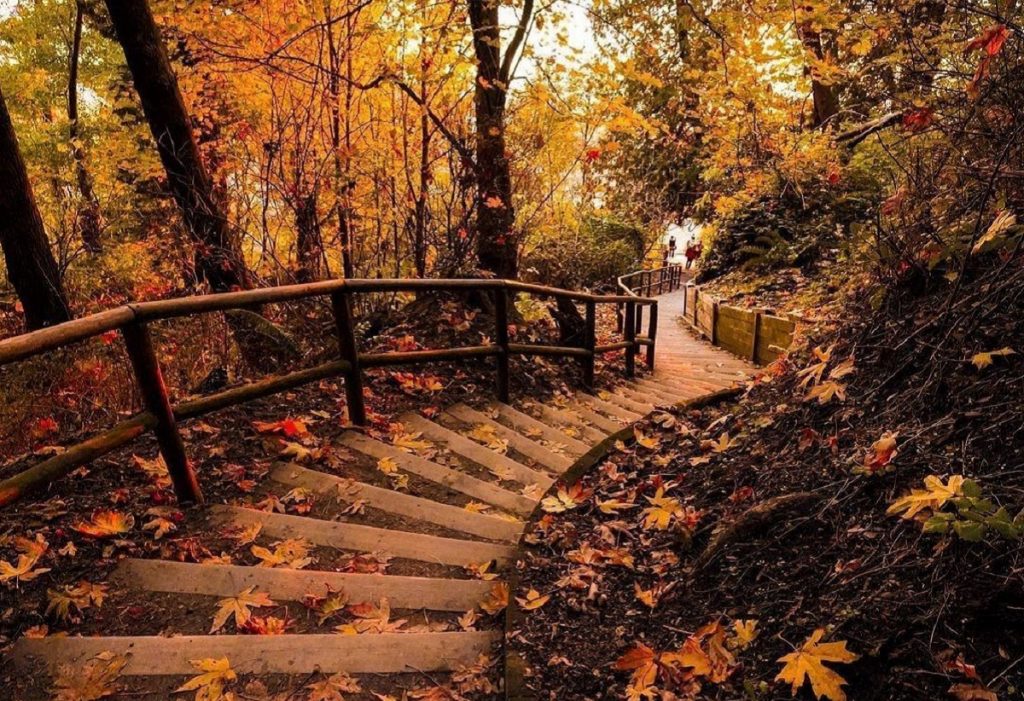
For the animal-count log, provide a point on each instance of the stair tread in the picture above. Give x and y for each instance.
(525, 423)
(367, 539)
(394, 502)
(522, 444)
(446, 476)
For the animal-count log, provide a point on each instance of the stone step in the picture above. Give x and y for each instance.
(155, 655)
(433, 594)
(453, 479)
(367, 539)
(542, 455)
(393, 502)
(474, 452)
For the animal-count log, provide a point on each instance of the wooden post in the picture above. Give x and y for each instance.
(501, 338)
(150, 379)
(638, 325)
(631, 338)
(696, 306)
(652, 334)
(757, 334)
(590, 342)
(714, 323)
(349, 351)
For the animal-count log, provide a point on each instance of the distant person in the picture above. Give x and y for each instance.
(671, 247)
(691, 255)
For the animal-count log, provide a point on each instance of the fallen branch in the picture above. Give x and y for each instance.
(862, 131)
(754, 520)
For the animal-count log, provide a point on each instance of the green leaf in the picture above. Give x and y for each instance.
(970, 531)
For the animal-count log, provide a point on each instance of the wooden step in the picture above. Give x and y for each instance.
(453, 479)
(611, 409)
(295, 585)
(626, 403)
(520, 443)
(578, 406)
(672, 395)
(658, 395)
(564, 417)
(400, 504)
(639, 398)
(679, 389)
(474, 452)
(384, 653)
(367, 539)
(528, 425)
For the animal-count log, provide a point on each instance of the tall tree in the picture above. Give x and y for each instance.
(218, 256)
(30, 263)
(90, 221)
(496, 241)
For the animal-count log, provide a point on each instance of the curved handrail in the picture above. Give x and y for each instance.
(161, 416)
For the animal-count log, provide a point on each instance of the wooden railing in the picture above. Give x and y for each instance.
(630, 318)
(162, 417)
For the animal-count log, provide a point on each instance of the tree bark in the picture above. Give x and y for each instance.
(90, 220)
(31, 267)
(496, 241)
(218, 256)
(825, 96)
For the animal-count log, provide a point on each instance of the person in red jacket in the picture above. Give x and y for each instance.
(691, 255)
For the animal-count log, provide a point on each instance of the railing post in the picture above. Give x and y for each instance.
(590, 343)
(631, 338)
(501, 338)
(150, 379)
(638, 325)
(652, 335)
(349, 351)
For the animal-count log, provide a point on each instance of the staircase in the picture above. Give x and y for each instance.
(475, 475)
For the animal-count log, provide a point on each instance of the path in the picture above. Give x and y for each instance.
(493, 455)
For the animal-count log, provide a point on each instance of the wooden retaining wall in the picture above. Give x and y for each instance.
(755, 334)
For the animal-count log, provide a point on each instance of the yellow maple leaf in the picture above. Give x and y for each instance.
(826, 391)
(806, 664)
(292, 553)
(497, 599)
(983, 360)
(410, 442)
(744, 633)
(96, 679)
(565, 499)
(933, 497)
(533, 600)
(661, 511)
(613, 506)
(23, 570)
(209, 684)
(239, 607)
(649, 442)
(333, 687)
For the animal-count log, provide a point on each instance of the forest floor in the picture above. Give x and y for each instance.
(848, 526)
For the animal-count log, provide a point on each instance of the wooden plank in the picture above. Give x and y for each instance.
(474, 452)
(400, 504)
(661, 392)
(570, 420)
(529, 426)
(433, 594)
(439, 474)
(613, 410)
(528, 447)
(579, 406)
(157, 655)
(617, 397)
(367, 539)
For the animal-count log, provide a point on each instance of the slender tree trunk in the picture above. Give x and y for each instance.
(218, 256)
(308, 243)
(30, 264)
(496, 242)
(825, 96)
(90, 220)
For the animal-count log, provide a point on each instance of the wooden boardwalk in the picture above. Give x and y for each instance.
(498, 456)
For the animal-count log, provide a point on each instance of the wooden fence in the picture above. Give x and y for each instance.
(637, 285)
(755, 334)
(162, 416)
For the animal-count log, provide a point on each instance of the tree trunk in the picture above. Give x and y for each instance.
(90, 220)
(218, 256)
(496, 242)
(826, 99)
(308, 243)
(30, 264)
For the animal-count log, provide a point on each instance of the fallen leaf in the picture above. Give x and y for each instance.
(239, 607)
(805, 664)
